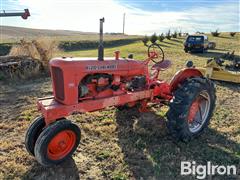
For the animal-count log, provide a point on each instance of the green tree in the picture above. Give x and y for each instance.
(153, 38)
(180, 34)
(175, 34)
(215, 33)
(161, 37)
(233, 34)
(169, 35)
(145, 40)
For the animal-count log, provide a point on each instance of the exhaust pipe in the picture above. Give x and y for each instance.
(100, 46)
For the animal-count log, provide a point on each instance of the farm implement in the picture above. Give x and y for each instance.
(89, 84)
(24, 14)
(216, 69)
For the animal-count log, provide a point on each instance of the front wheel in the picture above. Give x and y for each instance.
(33, 132)
(191, 108)
(57, 142)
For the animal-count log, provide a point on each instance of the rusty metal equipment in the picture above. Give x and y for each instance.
(216, 68)
(10, 13)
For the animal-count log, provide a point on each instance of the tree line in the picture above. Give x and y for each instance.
(169, 35)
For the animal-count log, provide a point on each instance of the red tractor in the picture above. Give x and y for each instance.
(89, 84)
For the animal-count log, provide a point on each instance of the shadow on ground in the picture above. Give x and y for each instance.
(169, 43)
(178, 41)
(151, 153)
(212, 54)
(226, 37)
(66, 170)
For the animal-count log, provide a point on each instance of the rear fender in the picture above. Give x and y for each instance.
(182, 75)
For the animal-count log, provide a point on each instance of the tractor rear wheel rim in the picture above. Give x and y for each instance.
(202, 102)
(61, 144)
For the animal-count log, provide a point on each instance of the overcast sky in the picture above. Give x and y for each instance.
(142, 16)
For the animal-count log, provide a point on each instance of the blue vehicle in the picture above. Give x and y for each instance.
(196, 43)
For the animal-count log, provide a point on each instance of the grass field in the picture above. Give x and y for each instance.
(11, 34)
(123, 144)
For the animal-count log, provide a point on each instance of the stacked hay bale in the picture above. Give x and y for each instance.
(26, 59)
(19, 67)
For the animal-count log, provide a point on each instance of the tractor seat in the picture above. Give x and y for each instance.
(162, 66)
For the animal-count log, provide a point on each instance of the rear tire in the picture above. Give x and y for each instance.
(192, 105)
(122, 108)
(127, 106)
(33, 132)
(57, 142)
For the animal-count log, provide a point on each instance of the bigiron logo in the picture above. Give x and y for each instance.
(202, 171)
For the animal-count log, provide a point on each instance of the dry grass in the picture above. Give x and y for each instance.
(123, 144)
(14, 34)
(24, 49)
(28, 58)
(42, 49)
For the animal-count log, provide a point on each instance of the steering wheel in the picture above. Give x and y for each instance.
(156, 53)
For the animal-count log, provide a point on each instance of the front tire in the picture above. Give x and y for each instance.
(57, 142)
(191, 108)
(33, 132)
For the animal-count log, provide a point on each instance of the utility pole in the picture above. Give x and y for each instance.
(123, 22)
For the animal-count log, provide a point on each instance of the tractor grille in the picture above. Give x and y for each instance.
(58, 82)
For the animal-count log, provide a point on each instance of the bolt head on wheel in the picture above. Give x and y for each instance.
(61, 144)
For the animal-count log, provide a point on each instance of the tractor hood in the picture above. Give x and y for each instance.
(66, 73)
(92, 64)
